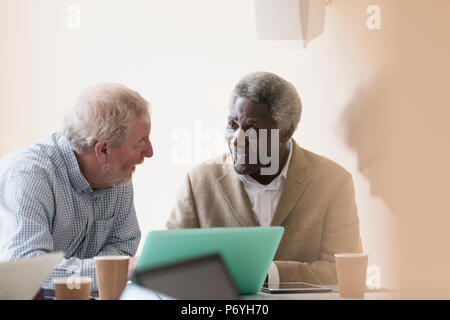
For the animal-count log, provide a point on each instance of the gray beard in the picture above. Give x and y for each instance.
(114, 176)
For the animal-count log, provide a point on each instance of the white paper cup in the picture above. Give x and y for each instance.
(72, 288)
(112, 272)
(351, 271)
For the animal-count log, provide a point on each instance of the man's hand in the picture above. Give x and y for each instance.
(132, 267)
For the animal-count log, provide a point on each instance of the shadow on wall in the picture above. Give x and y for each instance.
(398, 125)
(367, 122)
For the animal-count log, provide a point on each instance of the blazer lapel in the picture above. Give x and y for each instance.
(236, 197)
(297, 180)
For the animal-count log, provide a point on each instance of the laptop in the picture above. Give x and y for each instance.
(203, 278)
(133, 291)
(21, 279)
(247, 252)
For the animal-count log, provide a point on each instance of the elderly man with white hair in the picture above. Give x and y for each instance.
(72, 192)
(267, 179)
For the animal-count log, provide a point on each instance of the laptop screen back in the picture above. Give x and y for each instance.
(194, 279)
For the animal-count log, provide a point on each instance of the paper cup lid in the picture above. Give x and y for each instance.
(112, 258)
(72, 280)
(350, 255)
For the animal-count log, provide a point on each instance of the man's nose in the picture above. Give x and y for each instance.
(240, 134)
(148, 150)
(234, 141)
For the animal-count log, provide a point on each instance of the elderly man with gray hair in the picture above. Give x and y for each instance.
(72, 192)
(267, 179)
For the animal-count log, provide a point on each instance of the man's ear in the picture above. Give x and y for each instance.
(287, 134)
(100, 150)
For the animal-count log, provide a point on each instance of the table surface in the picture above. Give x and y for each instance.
(381, 294)
(134, 292)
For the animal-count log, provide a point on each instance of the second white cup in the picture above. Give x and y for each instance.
(351, 274)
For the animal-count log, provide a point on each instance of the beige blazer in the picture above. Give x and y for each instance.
(317, 209)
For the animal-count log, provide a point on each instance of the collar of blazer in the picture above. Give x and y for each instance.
(297, 180)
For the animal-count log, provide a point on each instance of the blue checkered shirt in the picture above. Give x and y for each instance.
(46, 205)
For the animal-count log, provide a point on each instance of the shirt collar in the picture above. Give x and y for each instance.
(77, 180)
(276, 183)
(285, 169)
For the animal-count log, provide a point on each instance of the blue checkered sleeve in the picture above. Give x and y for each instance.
(27, 210)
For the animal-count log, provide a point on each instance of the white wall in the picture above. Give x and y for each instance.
(185, 57)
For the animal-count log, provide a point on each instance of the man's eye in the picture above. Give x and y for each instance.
(231, 124)
(140, 144)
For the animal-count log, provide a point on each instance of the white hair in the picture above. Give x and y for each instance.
(103, 113)
(278, 94)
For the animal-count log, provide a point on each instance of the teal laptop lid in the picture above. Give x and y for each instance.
(247, 251)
